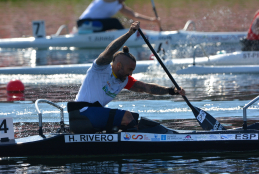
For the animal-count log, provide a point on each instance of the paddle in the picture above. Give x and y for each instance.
(206, 121)
(154, 9)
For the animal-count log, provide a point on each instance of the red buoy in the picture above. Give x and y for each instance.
(152, 57)
(15, 90)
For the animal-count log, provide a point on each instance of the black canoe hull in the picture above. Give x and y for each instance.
(55, 144)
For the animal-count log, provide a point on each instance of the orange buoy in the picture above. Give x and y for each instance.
(15, 90)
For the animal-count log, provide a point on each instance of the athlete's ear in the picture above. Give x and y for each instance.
(118, 65)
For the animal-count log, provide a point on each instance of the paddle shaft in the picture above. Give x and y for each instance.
(164, 67)
(154, 9)
(206, 121)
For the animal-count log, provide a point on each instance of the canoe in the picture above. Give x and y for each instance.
(234, 58)
(102, 39)
(151, 137)
(131, 143)
(247, 69)
(236, 62)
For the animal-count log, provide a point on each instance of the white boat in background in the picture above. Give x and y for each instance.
(237, 62)
(235, 58)
(102, 39)
(247, 69)
(233, 63)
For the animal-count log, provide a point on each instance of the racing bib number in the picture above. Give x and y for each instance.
(6, 128)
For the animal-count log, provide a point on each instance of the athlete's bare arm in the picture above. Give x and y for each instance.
(152, 88)
(106, 56)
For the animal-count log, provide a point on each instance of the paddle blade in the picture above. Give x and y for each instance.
(206, 121)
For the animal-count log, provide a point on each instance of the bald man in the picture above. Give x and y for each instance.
(109, 74)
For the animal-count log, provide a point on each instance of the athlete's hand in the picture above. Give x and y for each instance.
(134, 26)
(181, 92)
(174, 91)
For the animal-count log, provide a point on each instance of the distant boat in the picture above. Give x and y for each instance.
(102, 39)
(236, 62)
(247, 69)
(234, 58)
(240, 62)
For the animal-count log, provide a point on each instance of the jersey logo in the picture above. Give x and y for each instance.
(107, 92)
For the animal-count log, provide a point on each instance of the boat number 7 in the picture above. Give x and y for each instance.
(3, 126)
(38, 29)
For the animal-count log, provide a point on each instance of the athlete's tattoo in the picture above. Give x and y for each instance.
(149, 88)
(106, 56)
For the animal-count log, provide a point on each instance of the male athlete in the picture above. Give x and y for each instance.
(109, 74)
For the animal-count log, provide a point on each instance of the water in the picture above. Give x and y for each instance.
(57, 56)
(221, 95)
(164, 163)
(152, 109)
(71, 55)
(179, 163)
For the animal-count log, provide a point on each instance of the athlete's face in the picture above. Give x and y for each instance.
(127, 66)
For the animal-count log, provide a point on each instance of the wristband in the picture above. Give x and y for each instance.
(171, 91)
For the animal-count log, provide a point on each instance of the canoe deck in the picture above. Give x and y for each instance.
(31, 128)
